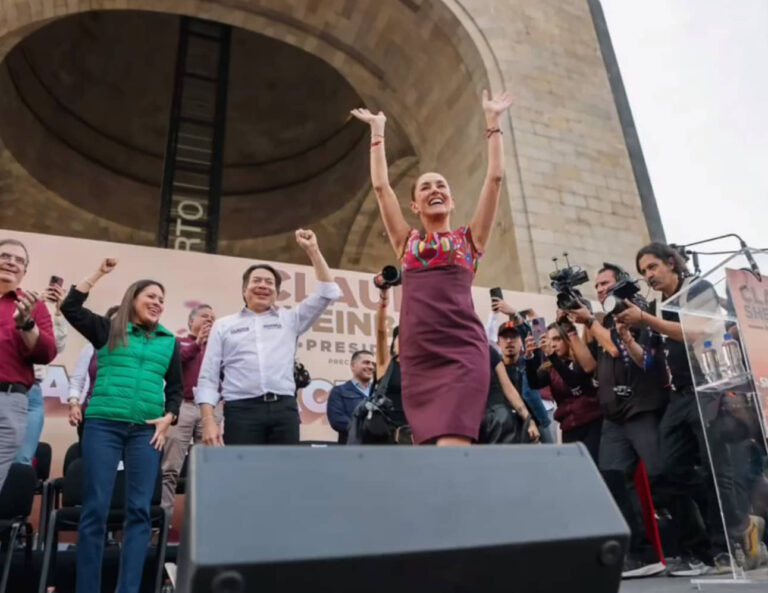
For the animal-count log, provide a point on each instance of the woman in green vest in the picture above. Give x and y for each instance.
(136, 397)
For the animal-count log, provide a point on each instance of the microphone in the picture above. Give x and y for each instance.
(752, 263)
(696, 267)
(682, 251)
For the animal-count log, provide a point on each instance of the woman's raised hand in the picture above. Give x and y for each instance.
(495, 106)
(107, 265)
(377, 121)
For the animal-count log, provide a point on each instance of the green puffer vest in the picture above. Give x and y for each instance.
(130, 380)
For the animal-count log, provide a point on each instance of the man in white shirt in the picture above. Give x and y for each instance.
(253, 353)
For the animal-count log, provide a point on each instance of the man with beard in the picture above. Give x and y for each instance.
(683, 441)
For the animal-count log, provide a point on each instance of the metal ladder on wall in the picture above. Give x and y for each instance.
(192, 172)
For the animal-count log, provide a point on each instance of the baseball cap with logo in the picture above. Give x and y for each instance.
(510, 329)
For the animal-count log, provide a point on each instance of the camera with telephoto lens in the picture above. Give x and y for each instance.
(564, 282)
(388, 277)
(626, 288)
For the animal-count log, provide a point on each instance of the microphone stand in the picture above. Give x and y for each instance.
(744, 249)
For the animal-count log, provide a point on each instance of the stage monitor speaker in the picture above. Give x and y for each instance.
(380, 519)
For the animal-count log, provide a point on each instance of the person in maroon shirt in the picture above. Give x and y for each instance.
(189, 426)
(26, 338)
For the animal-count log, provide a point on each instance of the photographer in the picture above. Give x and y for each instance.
(578, 411)
(683, 442)
(388, 360)
(631, 376)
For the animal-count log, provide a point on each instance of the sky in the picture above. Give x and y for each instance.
(696, 74)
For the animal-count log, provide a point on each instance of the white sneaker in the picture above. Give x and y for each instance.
(635, 569)
(689, 567)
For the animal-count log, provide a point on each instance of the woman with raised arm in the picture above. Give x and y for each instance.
(443, 348)
(388, 368)
(136, 396)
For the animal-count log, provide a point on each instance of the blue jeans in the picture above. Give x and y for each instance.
(35, 418)
(105, 443)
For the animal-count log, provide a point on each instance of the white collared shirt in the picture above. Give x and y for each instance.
(363, 389)
(255, 352)
(80, 381)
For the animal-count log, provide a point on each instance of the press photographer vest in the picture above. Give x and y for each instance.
(647, 390)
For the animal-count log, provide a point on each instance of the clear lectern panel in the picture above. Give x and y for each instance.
(724, 316)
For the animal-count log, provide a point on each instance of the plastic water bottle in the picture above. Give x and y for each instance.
(710, 364)
(730, 358)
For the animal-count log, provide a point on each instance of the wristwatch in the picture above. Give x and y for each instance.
(590, 322)
(28, 325)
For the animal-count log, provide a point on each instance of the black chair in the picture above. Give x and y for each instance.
(73, 453)
(16, 499)
(52, 492)
(66, 517)
(42, 465)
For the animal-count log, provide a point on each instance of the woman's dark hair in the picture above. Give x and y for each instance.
(395, 333)
(563, 327)
(111, 311)
(666, 254)
(119, 327)
(268, 268)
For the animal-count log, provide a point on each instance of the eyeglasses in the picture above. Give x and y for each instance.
(17, 259)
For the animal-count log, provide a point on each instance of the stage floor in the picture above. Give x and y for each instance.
(666, 584)
(22, 582)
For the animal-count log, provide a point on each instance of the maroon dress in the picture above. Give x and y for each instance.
(443, 347)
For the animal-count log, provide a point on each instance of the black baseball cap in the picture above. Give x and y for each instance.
(510, 328)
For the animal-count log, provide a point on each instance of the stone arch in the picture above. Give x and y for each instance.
(423, 61)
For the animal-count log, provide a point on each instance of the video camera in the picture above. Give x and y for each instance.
(564, 282)
(626, 288)
(388, 277)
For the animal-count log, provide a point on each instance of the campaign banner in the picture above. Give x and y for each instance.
(750, 301)
(191, 278)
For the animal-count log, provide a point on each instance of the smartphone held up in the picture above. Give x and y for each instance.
(538, 329)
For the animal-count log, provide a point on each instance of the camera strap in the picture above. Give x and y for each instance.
(622, 377)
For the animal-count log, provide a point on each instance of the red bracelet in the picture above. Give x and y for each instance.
(375, 144)
(491, 131)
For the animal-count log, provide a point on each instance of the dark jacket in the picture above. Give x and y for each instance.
(571, 387)
(646, 390)
(342, 401)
